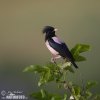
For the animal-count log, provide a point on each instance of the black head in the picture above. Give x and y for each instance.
(49, 32)
(48, 29)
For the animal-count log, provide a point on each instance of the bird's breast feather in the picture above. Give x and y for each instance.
(52, 50)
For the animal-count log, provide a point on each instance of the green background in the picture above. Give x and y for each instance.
(22, 41)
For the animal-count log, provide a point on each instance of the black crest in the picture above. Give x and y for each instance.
(48, 29)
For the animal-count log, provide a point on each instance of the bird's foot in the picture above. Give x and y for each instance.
(53, 60)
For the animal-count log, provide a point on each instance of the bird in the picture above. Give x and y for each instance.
(57, 47)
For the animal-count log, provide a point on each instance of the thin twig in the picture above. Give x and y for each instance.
(69, 88)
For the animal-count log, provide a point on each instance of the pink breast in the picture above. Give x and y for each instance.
(51, 49)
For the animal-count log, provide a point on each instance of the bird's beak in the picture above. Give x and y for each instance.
(55, 29)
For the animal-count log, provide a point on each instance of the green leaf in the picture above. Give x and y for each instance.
(65, 97)
(46, 76)
(76, 90)
(79, 48)
(56, 97)
(79, 58)
(29, 68)
(89, 85)
(34, 68)
(43, 78)
(67, 66)
(36, 96)
(47, 73)
(70, 69)
(88, 94)
(43, 93)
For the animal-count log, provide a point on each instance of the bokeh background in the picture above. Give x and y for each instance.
(22, 42)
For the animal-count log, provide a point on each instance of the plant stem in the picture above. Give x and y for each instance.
(67, 86)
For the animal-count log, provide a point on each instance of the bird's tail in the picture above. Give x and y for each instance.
(74, 64)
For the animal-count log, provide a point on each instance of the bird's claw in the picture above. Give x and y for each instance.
(53, 60)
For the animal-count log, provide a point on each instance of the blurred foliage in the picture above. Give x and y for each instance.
(44, 95)
(57, 73)
(79, 48)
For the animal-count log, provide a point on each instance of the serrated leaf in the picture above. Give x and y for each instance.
(79, 58)
(79, 48)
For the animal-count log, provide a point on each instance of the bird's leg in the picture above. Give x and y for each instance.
(53, 60)
(54, 57)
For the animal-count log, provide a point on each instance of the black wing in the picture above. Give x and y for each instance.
(62, 49)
